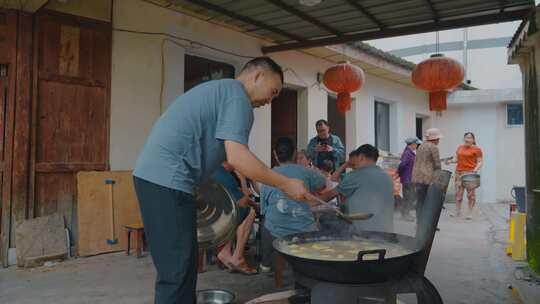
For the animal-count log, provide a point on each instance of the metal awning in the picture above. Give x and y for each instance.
(289, 24)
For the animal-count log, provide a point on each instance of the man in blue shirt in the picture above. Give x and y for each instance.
(284, 216)
(367, 189)
(325, 146)
(188, 142)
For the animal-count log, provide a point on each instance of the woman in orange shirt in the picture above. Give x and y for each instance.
(469, 159)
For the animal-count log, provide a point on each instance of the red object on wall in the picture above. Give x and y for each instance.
(344, 79)
(438, 75)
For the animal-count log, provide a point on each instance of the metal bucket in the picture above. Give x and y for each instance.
(215, 296)
(216, 216)
(470, 181)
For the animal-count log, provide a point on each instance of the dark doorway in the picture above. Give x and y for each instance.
(336, 120)
(419, 127)
(284, 117)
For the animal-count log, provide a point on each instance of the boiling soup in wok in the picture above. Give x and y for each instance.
(343, 250)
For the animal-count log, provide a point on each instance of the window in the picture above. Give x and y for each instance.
(199, 70)
(514, 114)
(382, 126)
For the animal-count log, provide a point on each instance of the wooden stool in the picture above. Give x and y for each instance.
(138, 229)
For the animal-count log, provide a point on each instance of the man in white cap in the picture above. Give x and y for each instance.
(426, 167)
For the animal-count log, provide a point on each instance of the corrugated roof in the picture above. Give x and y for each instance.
(291, 25)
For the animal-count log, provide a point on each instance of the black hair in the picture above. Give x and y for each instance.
(321, 122)
(327, 165)
(471, 134)
(353, 153)
(369, 152)
(284, 149)
(265, 63)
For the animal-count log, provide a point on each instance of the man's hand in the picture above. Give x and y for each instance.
(328, 148)
(320, 148)
(295, 189)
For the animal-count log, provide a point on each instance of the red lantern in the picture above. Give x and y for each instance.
(438, 75)
(344, 79)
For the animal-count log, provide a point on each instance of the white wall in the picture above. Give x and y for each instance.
(510, 155)
(481, 120)
(503, 147)
(487, 68)
(136, 83)
(405, 103)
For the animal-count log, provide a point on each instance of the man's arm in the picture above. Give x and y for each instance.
(311, 150)
(243, 160)
(336, 175)
(436, 158)
(328, 195)
(339, 150)
(407, 159)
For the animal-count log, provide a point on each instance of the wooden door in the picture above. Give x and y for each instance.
(8, 42)
(284, 117)
(336, 120)
(70, 130)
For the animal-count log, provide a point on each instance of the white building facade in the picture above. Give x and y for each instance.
(498, 102)
(138, 94)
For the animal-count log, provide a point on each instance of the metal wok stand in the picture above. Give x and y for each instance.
(327, 292)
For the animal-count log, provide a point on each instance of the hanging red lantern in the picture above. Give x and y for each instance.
(438, 75)
(344, 79)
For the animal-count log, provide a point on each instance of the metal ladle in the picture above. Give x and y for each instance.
(346, 217)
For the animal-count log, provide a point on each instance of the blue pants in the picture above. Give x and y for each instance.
(170, 225)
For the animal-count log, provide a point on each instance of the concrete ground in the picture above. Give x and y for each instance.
(467, 265)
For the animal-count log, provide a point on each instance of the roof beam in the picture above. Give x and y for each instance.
(434, 13)
(405, 30)
(218, 9)
(300, 14)
(365, 12)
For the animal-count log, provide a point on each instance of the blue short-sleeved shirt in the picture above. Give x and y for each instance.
(225, 178)
(186, 144)
(370, 189)
(284, 216)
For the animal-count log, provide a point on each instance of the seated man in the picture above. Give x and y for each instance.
(284, 216)
(369, 189)
(246, 216)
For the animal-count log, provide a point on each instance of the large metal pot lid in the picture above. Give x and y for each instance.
(216, 215)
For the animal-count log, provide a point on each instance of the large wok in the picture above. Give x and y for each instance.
(366, 269)
(383, 268)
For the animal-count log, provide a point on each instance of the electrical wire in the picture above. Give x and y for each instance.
(193, 43)
(162, 84)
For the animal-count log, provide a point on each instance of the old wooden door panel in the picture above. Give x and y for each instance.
(55, 193)
(8, 55)
(284, 117)
(72, 115)
(71, 110)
